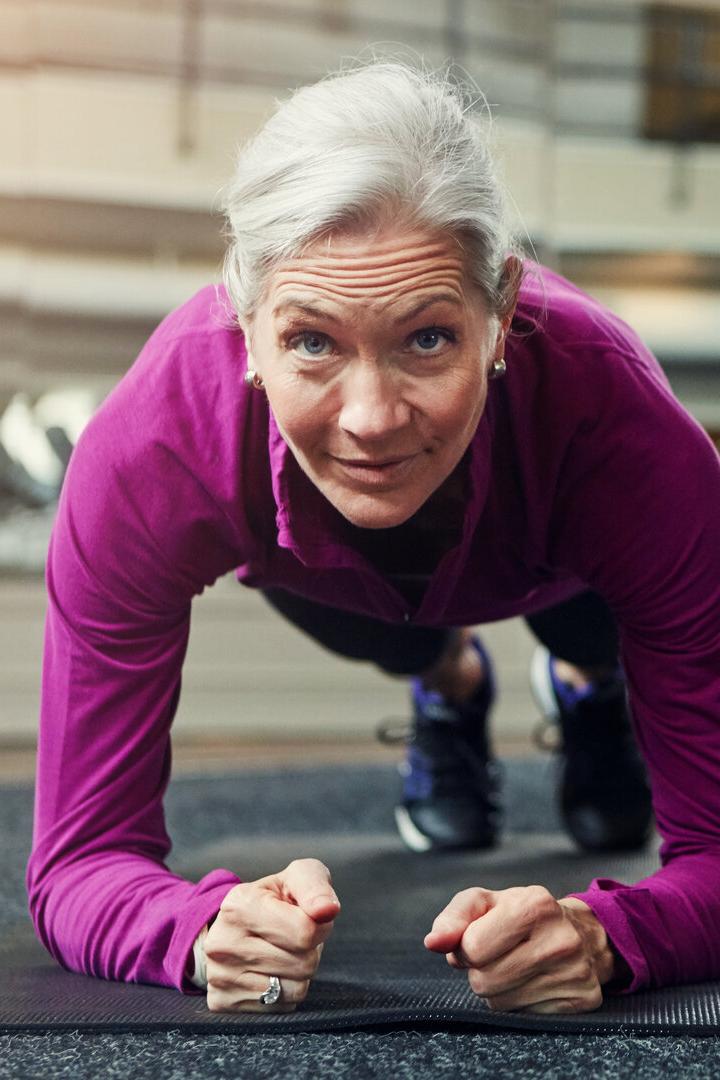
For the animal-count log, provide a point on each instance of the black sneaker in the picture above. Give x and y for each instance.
(604, 795)
(450, 780)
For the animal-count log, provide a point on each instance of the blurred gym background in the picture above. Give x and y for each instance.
(118, 125)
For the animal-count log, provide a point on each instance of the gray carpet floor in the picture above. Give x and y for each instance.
(355, 799)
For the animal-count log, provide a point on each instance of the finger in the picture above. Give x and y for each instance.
(308, 884)
(509, 971)
(262, 914)
(242, 993)
(567, 1005)
(577, 984)
(552, 947)
(514, 916)
(259, 954)
(456, 961)
(452, 922)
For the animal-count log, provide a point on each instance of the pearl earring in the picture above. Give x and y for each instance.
(253, 379)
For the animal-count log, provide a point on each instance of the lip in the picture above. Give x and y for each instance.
(370, 463)
(376, 471)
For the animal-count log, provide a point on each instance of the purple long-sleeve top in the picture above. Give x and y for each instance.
(584, 472)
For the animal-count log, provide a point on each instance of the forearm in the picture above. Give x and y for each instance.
(665, 928)
(102, 900)
(122, 916)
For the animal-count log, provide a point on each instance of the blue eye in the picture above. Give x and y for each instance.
(431, 339)
(311, 344)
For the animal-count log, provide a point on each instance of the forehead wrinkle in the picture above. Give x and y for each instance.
(349, 284)
(359, 268)
(299, 304)
(388, 290)
(358, 281)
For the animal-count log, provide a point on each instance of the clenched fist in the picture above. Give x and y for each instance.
(274, 926)
(524, 950)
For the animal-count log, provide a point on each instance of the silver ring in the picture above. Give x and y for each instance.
(273, 992)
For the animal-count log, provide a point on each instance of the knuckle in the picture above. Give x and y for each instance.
(214, 950)
(219, 984)
(564, 948)
(494, 1004)
(305, 938)
(585, 972)
(539, 901)
(308, 965)
(213, 1000)
(471, 947)
(478, 981)
(233, 905)
(475, 892)
(298, 991)
(219, 952)
(308, 864)
(218, 1001)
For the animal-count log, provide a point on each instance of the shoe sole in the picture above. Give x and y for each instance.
(409, 832)
(417, 841)
(541, 684)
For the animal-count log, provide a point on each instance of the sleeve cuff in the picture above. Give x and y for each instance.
(199, 975)
(199, 910)
(617, 907)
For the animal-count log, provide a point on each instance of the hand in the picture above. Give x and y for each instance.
(274, 926)
(524, 950)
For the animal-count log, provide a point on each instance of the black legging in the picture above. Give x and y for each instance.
(581, 631)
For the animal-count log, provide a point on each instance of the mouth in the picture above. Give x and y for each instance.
(372, 463)
(377, 470)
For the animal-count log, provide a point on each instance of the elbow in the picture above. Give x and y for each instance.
(43, 883)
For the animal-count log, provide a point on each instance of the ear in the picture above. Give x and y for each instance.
(510, 285)
(247, 330)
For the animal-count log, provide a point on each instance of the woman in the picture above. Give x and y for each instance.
(349, 445)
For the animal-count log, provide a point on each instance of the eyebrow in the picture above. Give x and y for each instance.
(300, 304)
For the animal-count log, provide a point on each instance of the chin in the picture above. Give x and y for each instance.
(376, 512)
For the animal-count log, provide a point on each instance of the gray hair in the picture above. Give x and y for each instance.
(383, 138)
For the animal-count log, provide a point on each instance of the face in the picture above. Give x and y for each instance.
(374, 350)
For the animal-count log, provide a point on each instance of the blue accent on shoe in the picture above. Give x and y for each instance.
(418, 779)
(569, 697)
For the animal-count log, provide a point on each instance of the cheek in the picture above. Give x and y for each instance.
(302, 414)
(459, 403)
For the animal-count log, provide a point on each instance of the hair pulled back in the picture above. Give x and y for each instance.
(384, 140)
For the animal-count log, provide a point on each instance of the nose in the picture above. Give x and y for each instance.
(373, 406)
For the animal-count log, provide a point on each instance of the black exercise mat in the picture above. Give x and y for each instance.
(375, 972)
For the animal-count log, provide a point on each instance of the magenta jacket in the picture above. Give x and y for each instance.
(585, 472)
